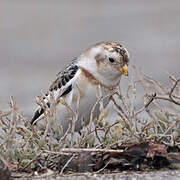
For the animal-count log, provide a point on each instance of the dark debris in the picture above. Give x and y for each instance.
(137, 157)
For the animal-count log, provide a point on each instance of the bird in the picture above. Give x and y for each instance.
(97, 70)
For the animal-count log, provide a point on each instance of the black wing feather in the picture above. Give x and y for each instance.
(61, 80)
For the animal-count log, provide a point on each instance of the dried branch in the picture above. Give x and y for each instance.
(168, 97)
(171, 93)
(147, 104)
(82, 150)
(70, 159)
(34, 159)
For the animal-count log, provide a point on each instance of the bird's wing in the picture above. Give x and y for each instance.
(60, 87)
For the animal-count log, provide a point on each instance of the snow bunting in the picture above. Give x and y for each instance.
(100, 66)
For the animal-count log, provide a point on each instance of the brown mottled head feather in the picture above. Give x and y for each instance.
(114, 47)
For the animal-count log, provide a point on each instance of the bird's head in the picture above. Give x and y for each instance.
(107, 61)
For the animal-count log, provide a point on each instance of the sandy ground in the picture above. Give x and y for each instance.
(37, 38)
(154, 175)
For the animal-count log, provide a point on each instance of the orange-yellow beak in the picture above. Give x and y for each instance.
(124, 70)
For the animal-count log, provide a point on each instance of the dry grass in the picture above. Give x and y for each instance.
(23, 147)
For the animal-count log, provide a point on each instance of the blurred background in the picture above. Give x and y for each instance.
(38, 37)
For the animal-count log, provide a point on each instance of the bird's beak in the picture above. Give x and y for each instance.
(124, 70)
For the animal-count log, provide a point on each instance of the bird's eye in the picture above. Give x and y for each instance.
(111, 60)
